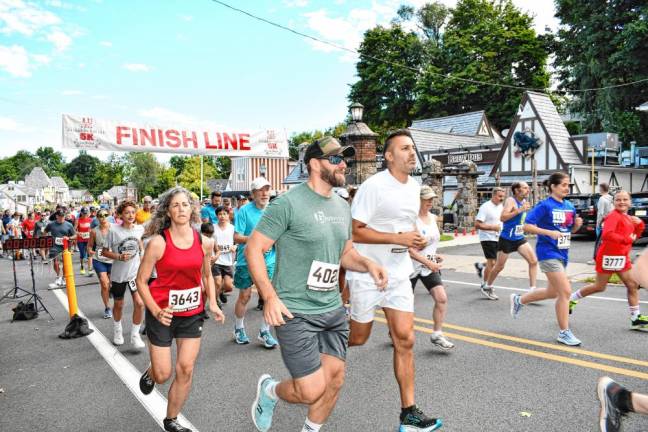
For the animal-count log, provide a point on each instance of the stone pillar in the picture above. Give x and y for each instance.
(467, 203)
(364, 141)
(432, 175)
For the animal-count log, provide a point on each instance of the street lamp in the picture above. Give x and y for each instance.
(356, 111)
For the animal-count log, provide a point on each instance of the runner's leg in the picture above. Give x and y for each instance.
(359, 332)
(440, 297)
(500, 262)
(188, 349)
(526, 251)
(401, 327)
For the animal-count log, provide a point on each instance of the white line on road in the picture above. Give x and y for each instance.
(526, 290)
(154, 403)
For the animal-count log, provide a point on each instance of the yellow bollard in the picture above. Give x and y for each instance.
(68, 272)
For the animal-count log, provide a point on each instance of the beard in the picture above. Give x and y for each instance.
(331, 178)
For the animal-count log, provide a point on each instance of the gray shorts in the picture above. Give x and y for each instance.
(303, 338)
(552, 265)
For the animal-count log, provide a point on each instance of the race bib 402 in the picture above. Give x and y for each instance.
(323, 276)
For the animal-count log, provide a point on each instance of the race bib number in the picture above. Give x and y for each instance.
(323, 276)
(58, 241)
(132, 285)
(565, 241)
(185, 300)
(519, 230)
(431, 258)
(613, 262)
(224, 248)
(84, 235)
(100, 252)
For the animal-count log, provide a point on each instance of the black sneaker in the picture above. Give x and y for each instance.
(172, 425)
(146, 383)
(479, 267)
(417, 421)
(610, 414)
(222, 297)
(259, 306)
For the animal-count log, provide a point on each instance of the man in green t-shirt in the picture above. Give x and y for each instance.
(311, 227)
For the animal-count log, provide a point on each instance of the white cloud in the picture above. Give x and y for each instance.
(71, 92)
(136, 67)
(295, 3)
(41, 58)
(106, 44)
(15, 61)
(60, 40)
(8, 124)
(24, 18)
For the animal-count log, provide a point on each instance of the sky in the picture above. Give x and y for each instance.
(184, 62)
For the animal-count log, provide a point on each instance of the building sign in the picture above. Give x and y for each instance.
(478, 156)
(89, 133)
(458, 158)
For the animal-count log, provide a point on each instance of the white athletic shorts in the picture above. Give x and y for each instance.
(365, 298)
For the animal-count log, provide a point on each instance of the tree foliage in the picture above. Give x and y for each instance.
(602, 43)
(190, 176)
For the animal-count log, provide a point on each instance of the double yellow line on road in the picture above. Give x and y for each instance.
(534, 353)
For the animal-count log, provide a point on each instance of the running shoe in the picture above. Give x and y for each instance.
(572, 305)
(240, 337)
(60, 282)
(90, 273)
(82, 271)
(268, 340)
(610, 414)
(146, 383)
(516, 306)
(172, 425)
(489, 293)
(263, 406)
(441, 341)
(107, 313)
(136, 340)
(640, 323)
(118, 335)
(567, 337)
(222, 297)
(479, 267)
(259, 305)
(54, 285)
(417, 421)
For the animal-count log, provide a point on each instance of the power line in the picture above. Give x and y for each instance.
(388, 62)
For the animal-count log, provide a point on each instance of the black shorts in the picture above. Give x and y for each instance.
(509, 246)
(490, 249)
(222, 270)
(181, 327)
(118, 289)
(430, 281)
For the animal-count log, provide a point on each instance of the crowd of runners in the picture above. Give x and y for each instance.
(322, 261)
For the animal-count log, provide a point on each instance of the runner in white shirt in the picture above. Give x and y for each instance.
(384, 215)
(427, 266)
(223, 268)
(489, 224)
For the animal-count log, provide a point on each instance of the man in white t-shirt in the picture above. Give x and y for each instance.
(223, 268)
(384, 213)
(489, 224)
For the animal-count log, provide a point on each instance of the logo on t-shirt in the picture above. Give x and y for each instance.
(322, 218)
(563, 218)
(129, 245)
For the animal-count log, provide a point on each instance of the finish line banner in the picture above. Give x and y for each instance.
(89, 133)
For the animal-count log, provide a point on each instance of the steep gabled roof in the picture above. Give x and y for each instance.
(427, 140)
(296, 175)
(58, 182)
(217, 185)
(461, 124)
(555, 127)
(37, 178)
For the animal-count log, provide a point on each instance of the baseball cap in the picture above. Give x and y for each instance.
(327, 146)
(259, 183)
(343, 193)
(427, 192)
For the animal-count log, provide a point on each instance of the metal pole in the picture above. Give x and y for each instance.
(202, 173)
(534, 179)
(593, 185)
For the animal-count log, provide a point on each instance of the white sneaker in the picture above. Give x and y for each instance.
(441, 341)
(60, 282)
(118, 335)
(136, 340)
(54, 285)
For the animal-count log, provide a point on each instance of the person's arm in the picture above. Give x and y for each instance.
(418, 256)
(609, 233)
(239, 229)
(273, 310)
(91, 242)
(511, 210)
(639, 228)
(639, 271)
(352, 260)
(534, 229)
(208, 280)
(152, 254)
(108, 252)
(363, 234)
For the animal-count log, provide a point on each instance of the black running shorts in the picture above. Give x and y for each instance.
(181, 327)
(430, 281)
(490, 249)
(509, 246)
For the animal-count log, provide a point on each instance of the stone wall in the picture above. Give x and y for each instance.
(467, 204)
(365, 158)
(432, 175)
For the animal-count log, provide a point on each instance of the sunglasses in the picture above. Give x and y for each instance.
(333, 159)
(102, 215)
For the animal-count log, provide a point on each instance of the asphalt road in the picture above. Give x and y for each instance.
(503, 375)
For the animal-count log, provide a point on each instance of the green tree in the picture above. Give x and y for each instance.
(309, 136)
(190, 176)
(142, 170)
(178, 162)
(51, 161)
(603, 43)
(166, 179)
(82, 171)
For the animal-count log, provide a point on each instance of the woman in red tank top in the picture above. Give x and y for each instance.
(620, 230)
(174, 301)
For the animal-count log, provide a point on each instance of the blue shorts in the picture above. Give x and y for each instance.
(83, 249)
(101, 267)
(242, 278)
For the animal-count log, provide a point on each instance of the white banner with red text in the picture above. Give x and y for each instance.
(89, 133)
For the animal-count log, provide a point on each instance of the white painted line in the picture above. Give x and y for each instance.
(154, 403)
(526, 290)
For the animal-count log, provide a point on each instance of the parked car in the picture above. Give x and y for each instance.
(585, 205)
(640, 208)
